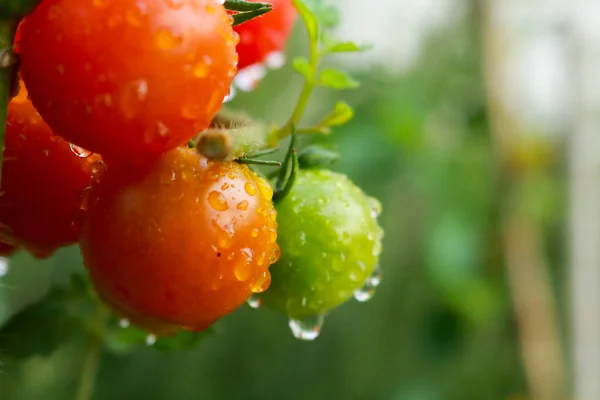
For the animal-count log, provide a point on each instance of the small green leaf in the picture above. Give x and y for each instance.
(335, 79)
(345, 47)
(302, 66)
(341, 115)
(310, 20)
(242, 17)
(241, 5)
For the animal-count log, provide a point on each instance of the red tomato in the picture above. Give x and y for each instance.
(265, 35)
(129, 79)
(42, 182)
(6, 250)
(185, 244)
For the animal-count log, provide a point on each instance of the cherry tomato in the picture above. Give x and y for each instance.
(185, 244)
(330, 244)
(42, 182)
(129, 79)
(265, 35)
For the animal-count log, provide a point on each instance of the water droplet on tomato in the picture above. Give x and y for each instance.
(255, 232)
(261, 283)
(230, 95)
(210, 8)
(250, 189)
(375, 207)
(202, 68)
(242, 271)
(265, 188)
(366, 292)
(217, 201)
(254, 302)
(124, 323)
(243, 205)
(135, 15)
(163, 130)
(166, 39)
(307, 329)
(80, 151)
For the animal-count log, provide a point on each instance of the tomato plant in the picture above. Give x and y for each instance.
(128, 79)
(42, 182)
(186, 244)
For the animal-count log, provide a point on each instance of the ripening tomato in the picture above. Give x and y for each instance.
(267, 34)
(185, 243)
(129, 79)
(330, 244)
(42, 182)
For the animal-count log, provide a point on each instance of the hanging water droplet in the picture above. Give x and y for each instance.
(230, 96)
(367, 292)
(150, 339)
(124, 323)
(3, 266)
(254, 302)
(375, 207)
(307, 329)
(80, 151)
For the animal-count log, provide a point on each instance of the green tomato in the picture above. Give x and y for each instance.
(330, 244)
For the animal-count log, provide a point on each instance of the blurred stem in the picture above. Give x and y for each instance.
(309, 85)
(522, 232)
(93, 351)
(7, 34)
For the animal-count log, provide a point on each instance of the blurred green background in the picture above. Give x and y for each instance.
(441, 326)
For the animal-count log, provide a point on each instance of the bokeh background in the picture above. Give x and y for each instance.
(477, 126)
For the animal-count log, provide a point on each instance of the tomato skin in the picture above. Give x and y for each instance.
(42, 182)
(266, 34)
(185, 244)
(330, 244)
(128, 79)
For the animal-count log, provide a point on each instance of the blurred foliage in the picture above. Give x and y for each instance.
(441, 326)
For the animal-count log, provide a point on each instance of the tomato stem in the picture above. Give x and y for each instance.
(309, 85)
(7, 62)
(91, 358)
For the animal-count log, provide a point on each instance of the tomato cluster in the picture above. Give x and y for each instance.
(97, 154)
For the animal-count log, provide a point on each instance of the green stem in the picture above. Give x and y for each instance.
(309, 86)
(91, 358)
(7, 34)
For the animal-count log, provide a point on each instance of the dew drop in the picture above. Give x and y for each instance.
(230, 95)
(307, 329)
(124, 323)
(134, 16)
(375, 207)
(265, 188)
(201, 69)
(217, 201)
(255, 232)
(80, 151)
(242, 271)
(262, 283)
(275, 60)
(150, 340)
(243, 206)
(250, 189)
(254, 302)
(166, 40)
(365, 293)
(4, 266)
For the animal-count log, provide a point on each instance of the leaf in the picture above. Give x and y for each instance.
(310, 20)
(317, 157)
(302, 66)
(242, 17)
(242, 5)
(41, 328)
(341, 115)
(335, 79)
(345, 47)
